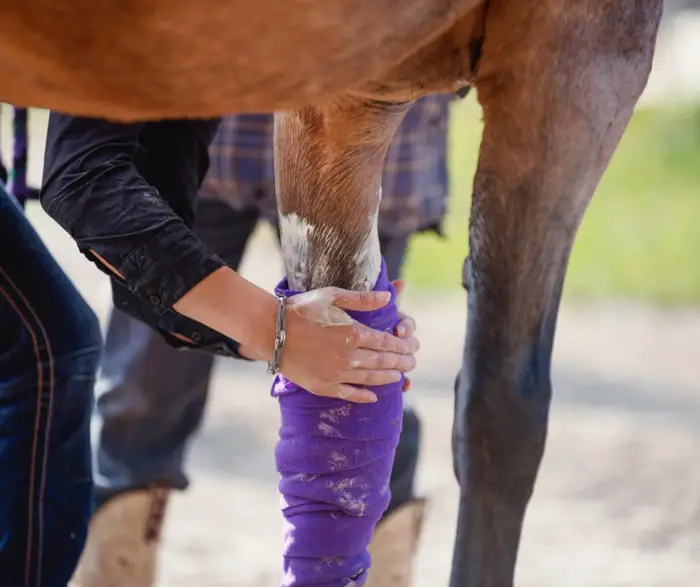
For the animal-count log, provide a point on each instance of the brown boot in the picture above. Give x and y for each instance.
(123, 540)
(394, 546)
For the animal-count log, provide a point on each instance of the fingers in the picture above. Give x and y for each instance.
(359, 395)
(365, 301)
(376, 340)
(360, 301)
(413, 343)
(381, 361)
(349, 393)
(406, 326)
(372, 378)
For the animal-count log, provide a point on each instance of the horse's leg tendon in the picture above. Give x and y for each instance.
(334, 457)
(558, 83)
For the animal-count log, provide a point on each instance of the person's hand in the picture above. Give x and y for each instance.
(406, 326)
(330, 354)
(326, 351)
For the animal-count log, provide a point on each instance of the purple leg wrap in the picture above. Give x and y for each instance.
(335, 460)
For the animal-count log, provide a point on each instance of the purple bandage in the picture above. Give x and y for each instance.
(335, 460)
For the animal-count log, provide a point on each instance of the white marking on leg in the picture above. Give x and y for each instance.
(294, 236)
(295, 233)
(368, 260)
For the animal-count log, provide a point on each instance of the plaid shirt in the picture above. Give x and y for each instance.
(414, 185)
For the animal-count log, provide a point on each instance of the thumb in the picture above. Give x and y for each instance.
(361, 301)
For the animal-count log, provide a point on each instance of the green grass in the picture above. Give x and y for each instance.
(640, 238)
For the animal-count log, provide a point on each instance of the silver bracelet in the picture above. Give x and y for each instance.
(273, 366)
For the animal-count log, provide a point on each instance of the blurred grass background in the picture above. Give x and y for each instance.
(641, 233)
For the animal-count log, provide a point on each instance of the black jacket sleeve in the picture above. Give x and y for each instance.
(127, 192)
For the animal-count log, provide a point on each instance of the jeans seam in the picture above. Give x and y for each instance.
(77, 354)
(37, 423)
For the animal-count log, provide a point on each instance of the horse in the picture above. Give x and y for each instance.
(557, 81)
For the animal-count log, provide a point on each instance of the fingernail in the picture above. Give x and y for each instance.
(401, 331)
(371, 398)
(384, 296)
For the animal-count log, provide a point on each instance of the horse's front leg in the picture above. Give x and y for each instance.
(334, 457)
(558, 83)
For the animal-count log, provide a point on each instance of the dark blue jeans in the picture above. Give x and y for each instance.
(151, 398)
(49, 351)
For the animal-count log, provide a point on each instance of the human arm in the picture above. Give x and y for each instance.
(141, 235)
(133, 227)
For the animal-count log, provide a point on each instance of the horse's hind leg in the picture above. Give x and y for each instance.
(558, 83)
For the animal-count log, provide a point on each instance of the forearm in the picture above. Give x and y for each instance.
(237, 308)
(231, 305)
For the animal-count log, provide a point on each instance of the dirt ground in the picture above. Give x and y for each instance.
(618, 499)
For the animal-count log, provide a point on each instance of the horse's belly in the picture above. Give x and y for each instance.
(174, 58)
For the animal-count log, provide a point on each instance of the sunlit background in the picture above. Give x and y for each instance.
(618, 498)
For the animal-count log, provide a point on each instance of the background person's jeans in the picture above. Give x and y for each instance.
(151, 398)
(49, 351)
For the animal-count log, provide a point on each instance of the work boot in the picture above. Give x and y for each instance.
(394, 545)
(123, 540)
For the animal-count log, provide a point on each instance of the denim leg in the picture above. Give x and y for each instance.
(151, 397)
(403, 473)
(49, 351)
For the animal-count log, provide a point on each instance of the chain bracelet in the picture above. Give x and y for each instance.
(273, 366)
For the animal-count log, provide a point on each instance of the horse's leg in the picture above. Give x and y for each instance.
(558, 83)
(328, 166)
(334, 457)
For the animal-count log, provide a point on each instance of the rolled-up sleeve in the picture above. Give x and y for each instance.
(95, 190)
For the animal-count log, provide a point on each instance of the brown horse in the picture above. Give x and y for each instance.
(557, 81)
